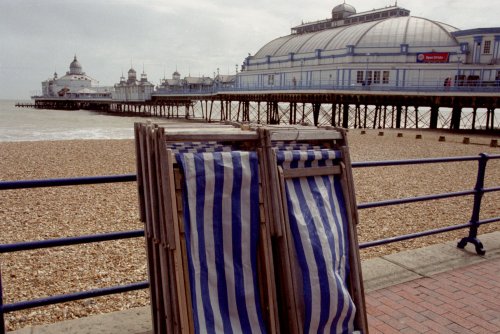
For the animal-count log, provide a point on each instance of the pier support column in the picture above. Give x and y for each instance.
(456, 115)
(399, 111)
(434, 117)
(416, 117)
(334, 112)
(316, 109)
(345, 116)
(474, 116)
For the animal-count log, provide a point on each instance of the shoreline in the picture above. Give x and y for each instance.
(46, 213)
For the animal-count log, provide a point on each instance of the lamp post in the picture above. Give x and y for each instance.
(301, 71)
(366, 72)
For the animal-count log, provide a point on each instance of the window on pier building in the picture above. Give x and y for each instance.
(270, 80)
(376, 77)
(369, 77)
(487, 47)
(359, 77)
(385, 77)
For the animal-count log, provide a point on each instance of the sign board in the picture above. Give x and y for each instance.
(433, 57)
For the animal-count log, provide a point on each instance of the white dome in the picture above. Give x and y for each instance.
(344, 8)
(392, 32)
(75, 67)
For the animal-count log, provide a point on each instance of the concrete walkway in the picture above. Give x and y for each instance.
(437, 289)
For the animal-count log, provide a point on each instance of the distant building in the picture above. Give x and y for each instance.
(75, 84)
(225, 81)
(133, 89)
(381, 48)
(172, 85)
(189, 83)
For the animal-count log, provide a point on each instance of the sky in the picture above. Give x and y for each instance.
(195, 37)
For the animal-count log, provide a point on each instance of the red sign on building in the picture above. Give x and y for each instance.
(433, 57)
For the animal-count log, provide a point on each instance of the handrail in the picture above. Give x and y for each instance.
(478, 192)
(473, 224)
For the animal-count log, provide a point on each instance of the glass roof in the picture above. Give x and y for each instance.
(393, 32)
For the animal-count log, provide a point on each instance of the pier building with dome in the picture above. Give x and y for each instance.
(383, 48)
(74, 84)
(133, 89)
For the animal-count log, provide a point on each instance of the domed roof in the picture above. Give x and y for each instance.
(131, 71)
(392, 32)
(344, 8)
(75, 67)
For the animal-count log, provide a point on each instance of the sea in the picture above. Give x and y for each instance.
(29, 124)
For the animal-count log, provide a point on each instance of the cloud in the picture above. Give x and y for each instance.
(193, 36)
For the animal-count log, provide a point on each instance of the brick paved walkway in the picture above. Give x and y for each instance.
(465, 300)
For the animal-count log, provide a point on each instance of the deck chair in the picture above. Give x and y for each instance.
(316, 250)
(217, 275)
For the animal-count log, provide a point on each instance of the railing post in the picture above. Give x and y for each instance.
(2, 320)
(478, 195)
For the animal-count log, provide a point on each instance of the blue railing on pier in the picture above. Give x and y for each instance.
(473, 224)
(422, 86)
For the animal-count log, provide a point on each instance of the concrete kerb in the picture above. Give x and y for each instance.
(378, 273)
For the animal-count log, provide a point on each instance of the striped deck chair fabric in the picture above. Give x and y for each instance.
(197, 147)
(221, 214)
(318, 224)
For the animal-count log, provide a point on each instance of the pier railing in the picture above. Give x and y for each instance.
(417, 86)
(472, 225)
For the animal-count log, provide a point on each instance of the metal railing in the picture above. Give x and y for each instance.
(68, 241)
(478, 193)
(473, 224)
(418, 86)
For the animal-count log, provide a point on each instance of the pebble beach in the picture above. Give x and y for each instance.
(46, 213)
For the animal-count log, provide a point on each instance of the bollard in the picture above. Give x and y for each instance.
(400, 134)
(466, 140)
(494, 143)
(363, 132)
(418, 137)
(442, 138)
(381, 133)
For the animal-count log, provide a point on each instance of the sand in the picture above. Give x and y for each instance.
(70, 211)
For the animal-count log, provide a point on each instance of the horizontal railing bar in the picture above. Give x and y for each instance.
(414, 199)
(425, 233)
(74, 296)
(31, 245)
(489, 190)
(412, 236)
(362, 164)
(489, 221)
(28, 184)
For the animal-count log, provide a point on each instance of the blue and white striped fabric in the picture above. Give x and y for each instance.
(318, 222)
(197, 147)
(288, 146)
(221, 213)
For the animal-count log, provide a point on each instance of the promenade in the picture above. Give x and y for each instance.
(436, 289)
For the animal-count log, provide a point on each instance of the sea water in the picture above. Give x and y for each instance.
(29, 124)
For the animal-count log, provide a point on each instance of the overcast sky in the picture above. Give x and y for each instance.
(38, 37)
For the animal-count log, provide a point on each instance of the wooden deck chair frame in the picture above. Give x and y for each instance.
(160, 198)
(290, 318)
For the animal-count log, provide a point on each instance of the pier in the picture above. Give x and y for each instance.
(346, 108)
